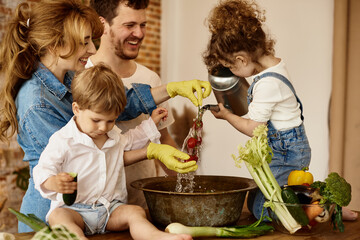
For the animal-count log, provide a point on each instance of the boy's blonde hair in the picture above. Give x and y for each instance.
(99, 89)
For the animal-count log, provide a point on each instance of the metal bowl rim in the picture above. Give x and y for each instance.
(251, 182)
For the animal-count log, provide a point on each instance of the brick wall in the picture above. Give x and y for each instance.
(11, 156)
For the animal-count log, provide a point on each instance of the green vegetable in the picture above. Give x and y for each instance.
(296, 211)
(243, 231)
(44, 232)
(335, 190)
(257, 155)
(31, 220)
(69, 198)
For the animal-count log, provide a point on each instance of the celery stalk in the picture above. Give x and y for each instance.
(257, 155)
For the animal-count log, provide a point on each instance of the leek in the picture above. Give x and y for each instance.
(242, 231)
(257, 155)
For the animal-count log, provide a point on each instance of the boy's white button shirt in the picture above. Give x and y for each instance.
(101, 172)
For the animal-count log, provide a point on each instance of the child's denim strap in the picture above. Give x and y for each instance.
(278, 76)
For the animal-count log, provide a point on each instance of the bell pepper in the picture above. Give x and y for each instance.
(300, 177)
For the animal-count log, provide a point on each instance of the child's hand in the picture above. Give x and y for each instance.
(64, 183)
(159, 114)
(222, 113)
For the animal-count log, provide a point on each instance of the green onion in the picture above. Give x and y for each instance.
(242, 231)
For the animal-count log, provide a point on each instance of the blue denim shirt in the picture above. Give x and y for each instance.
(44, 106)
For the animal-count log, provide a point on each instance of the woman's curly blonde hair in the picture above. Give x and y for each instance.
(236, 25)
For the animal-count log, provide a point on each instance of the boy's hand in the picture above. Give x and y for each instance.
(169, 156)
(61, 183)
(188, 88)
(159, 114)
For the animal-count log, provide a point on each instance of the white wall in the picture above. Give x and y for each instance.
(303, 31)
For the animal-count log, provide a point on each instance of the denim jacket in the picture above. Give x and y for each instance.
(44, 106)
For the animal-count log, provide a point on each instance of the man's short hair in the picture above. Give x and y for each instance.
(107, 8)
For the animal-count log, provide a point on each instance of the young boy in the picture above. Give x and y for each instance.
(92, 146)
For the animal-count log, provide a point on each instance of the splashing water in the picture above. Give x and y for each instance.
(185, 181)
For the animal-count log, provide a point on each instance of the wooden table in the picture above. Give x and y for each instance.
(352, 232)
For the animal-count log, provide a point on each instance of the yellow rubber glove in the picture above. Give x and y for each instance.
(168, 155)
(187, 89)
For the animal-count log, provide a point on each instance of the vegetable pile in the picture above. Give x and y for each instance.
(324, 197)
(44, 232)
(257, 155)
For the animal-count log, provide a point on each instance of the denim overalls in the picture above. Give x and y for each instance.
(290, 147)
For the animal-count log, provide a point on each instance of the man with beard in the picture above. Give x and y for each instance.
(125, 27)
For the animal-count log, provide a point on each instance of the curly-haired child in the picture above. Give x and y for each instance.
(238, 42)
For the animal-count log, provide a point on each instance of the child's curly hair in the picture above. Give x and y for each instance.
(236, 25)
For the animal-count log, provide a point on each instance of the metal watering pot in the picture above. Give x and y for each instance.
(229, 90)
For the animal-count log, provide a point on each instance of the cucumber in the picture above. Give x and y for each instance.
(297, 212)
(69, 198)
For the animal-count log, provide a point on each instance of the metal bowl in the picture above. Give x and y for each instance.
(216, 200)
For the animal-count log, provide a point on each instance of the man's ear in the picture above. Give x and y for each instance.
(105, 24)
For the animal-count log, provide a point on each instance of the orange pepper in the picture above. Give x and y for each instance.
(300, 177)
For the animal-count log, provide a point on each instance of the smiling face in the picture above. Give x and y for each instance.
(79, 59)
(95, 125)
(127, 31)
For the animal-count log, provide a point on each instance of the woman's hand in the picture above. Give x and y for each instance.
(188, 88)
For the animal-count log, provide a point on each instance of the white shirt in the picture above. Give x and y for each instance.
(101, 174)
(273, 100)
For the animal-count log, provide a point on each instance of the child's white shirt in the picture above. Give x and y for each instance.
(273, 100)
(101, 175)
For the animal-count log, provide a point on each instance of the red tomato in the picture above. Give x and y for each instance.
(306, 184)
(198, 124)
(195, 158)
(199, 141)
(191, 142)
(192, 158)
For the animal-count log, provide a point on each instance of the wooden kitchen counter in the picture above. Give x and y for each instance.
(352, 232)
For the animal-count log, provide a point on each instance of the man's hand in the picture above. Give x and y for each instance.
(188, 88)
(169, 156)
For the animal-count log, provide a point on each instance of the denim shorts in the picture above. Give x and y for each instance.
(291, 152)
(94, 216)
